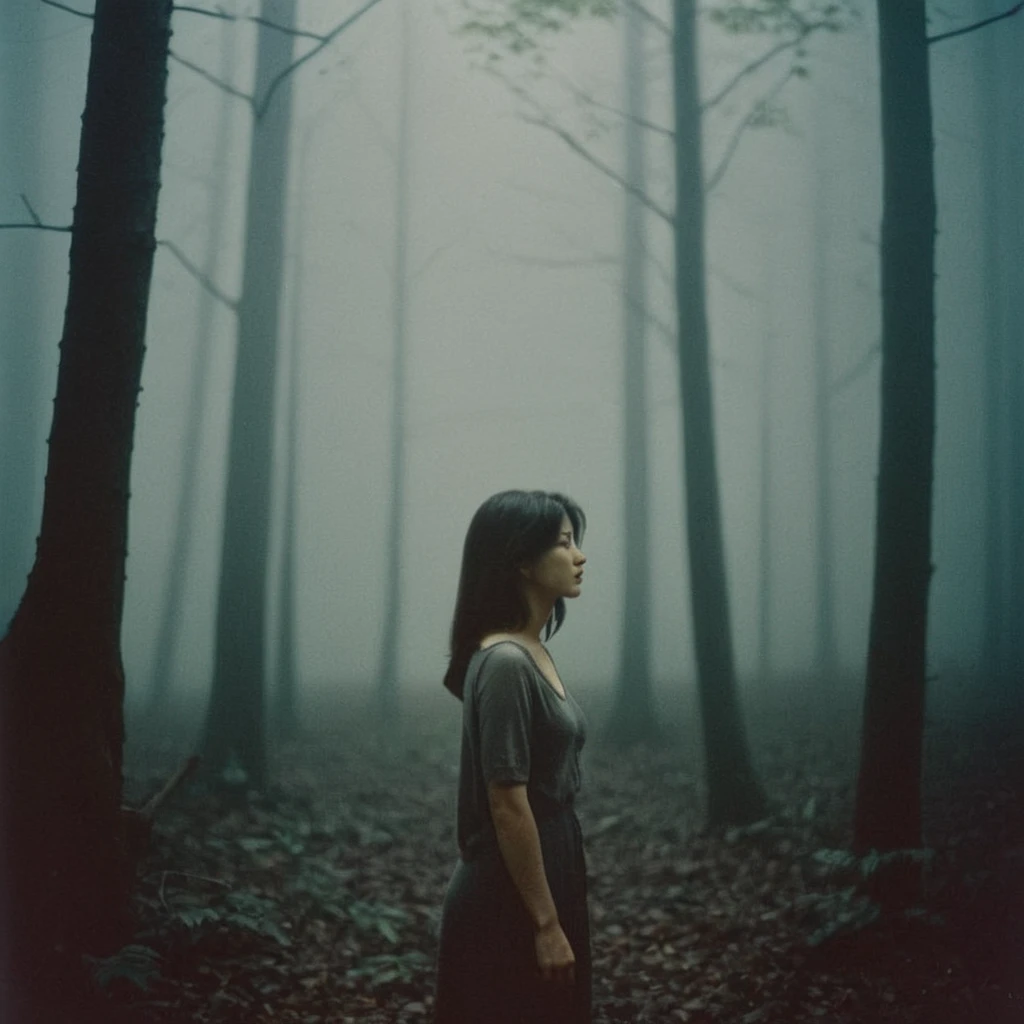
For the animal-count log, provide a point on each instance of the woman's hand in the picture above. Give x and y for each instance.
(555, 957)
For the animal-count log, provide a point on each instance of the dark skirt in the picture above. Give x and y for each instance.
(487, 964)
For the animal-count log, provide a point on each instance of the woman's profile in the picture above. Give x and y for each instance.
(515, 936)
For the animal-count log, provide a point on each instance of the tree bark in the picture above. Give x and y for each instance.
(888, 804)
(235, 726)
(66, 873)
(633, 717)
(734, 795)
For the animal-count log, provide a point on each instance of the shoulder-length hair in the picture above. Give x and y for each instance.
(509, 530)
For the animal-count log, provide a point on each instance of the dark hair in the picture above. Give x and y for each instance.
(508, 531)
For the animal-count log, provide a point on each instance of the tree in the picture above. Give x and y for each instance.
(169, 630)
(734, 795)
(887, 815)
(387, 683)
(66, 877)
(633, 717)
(235, 725)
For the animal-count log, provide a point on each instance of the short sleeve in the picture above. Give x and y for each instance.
(504, 706)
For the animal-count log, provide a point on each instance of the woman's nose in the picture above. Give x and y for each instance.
(580, 557)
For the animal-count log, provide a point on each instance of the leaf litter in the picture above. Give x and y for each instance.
(318, 902)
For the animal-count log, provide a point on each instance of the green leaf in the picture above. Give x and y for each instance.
(137, 964)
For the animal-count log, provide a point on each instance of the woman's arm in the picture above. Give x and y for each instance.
(519, 843)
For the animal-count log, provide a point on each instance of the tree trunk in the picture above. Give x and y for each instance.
(765, 415)
(22, 401)
(826, 658)
(734, 795)
(286, 705)
(888, 806)
(387, 692)
(66, 874)
(633, 718)
(235, 726)
(169, 632)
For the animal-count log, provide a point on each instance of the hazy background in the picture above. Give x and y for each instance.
(515, 332)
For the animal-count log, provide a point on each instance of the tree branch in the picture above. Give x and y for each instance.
(261, 108)
(202, 278)
(1016, 9)
(212, 79)
(65, 7)
(544, 120)
(855, 371)
(255, 19)
(737, 135)
(584, 97)
(806, 28)
(662, 26)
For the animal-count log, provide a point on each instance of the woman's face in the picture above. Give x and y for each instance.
(559, 571)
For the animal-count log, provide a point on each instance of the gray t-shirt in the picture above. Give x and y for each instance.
(516, 728)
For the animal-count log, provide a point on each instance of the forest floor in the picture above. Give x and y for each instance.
(318, 902)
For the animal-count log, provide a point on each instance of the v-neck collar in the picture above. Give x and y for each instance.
(533, 661)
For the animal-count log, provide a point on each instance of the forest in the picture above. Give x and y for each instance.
(289, 287)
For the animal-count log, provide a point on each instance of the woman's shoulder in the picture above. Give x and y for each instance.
(502, 653)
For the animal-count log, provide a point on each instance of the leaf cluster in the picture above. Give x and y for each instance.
(780, 17)
(517, 26)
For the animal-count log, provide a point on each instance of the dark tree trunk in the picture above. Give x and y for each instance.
(169, 632)
(66, 874)
(235, 726)
(22, 402)
(888, 805)
(1011, 44)
(633, 718)
(734, 795)
(387, 683)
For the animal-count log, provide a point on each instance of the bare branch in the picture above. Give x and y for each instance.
(1016, 9)
(202, 278)
(35, 224)
(544, 120)
(255, 19)
(584, 97)
(65, 7)
(805, 29)
(737, 135)
(325, 40)
(31, 211)
(855, 371)
(647, 15)
(212, 79)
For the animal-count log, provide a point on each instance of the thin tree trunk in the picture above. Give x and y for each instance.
(388, 679)
(169, 631)
(734, 795)
(286, 715)
(765, 415)
(826, 658)
(633, 717)
(888, 805)
(22, 402)
(235, 726)
(66, 873)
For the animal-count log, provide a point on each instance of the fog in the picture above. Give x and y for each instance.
(515, 351)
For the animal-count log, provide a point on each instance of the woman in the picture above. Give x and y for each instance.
(515, 934)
